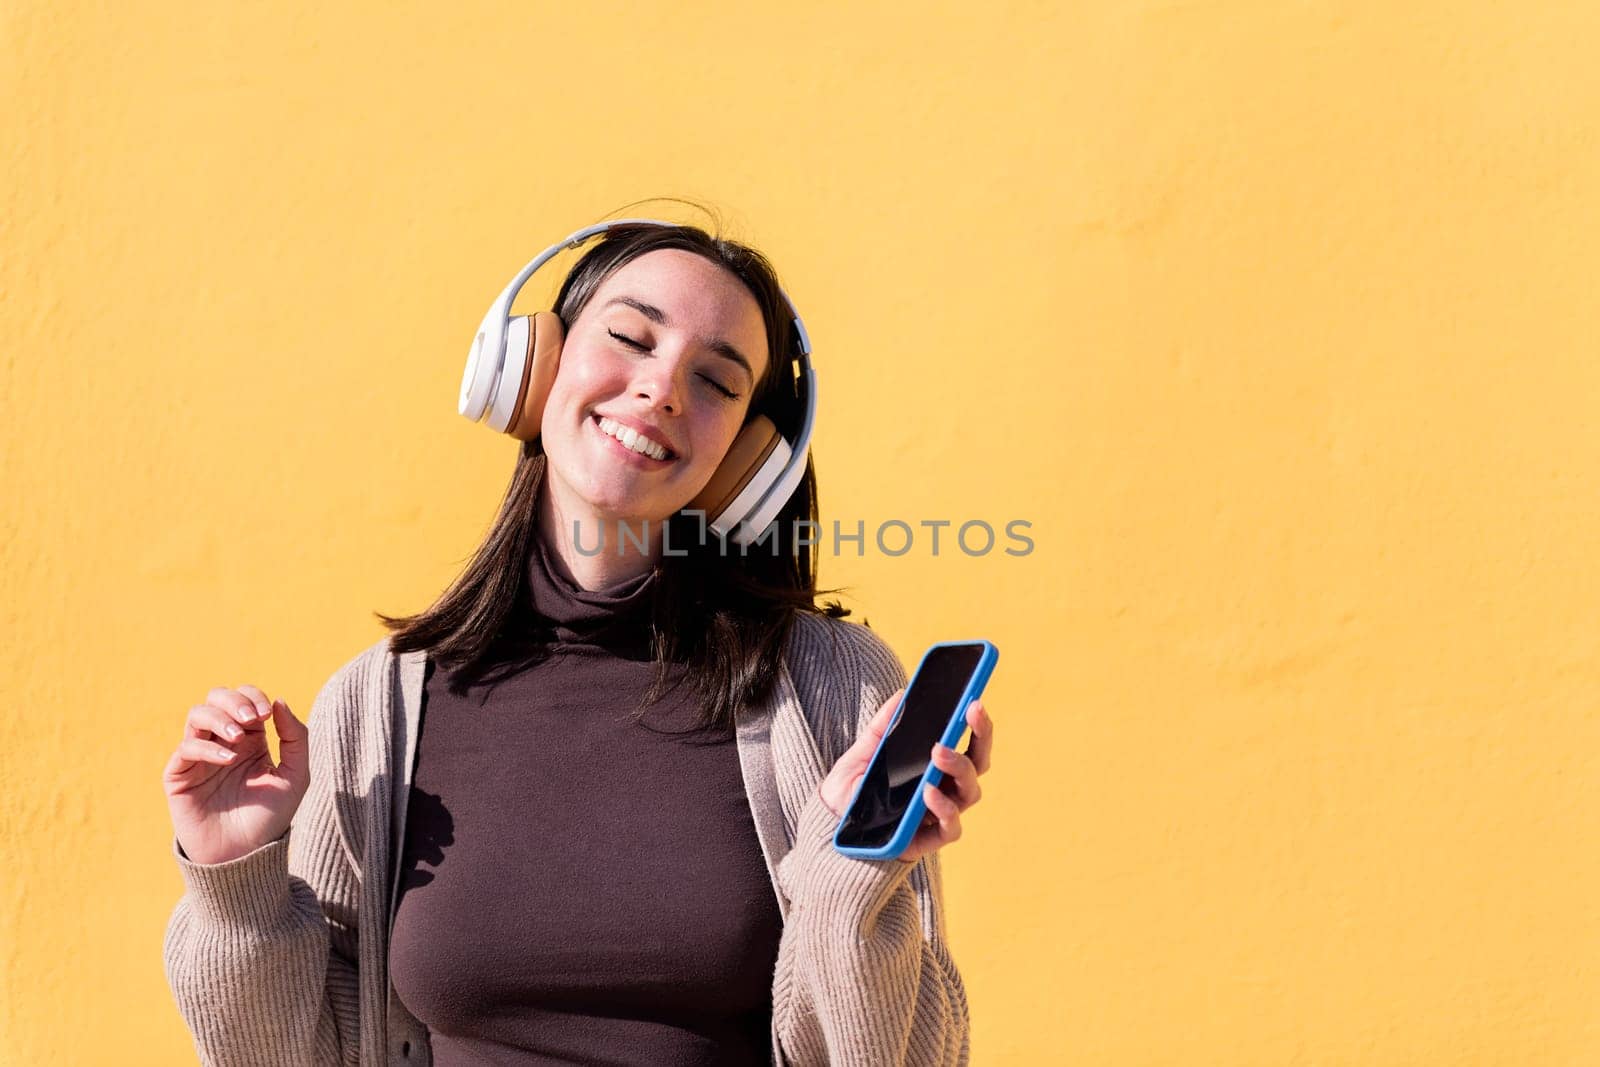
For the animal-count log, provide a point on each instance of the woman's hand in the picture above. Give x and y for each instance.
(225, 796)
(957, 791)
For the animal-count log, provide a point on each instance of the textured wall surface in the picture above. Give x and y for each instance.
(1277, 322)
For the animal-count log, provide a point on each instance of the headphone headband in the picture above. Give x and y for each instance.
(481, 382)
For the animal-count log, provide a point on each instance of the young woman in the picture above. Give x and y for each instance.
(581, 810)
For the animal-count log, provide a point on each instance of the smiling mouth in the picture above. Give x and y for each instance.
(594, 419)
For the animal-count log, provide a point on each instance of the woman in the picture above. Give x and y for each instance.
(581, 809)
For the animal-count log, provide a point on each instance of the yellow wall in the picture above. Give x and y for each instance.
(1277, 321)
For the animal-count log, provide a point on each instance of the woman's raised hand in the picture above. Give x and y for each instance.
(225, 795)
(957, 790)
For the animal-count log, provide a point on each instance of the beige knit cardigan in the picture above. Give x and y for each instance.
(280, 956)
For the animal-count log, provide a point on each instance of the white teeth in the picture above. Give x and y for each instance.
(632, 439)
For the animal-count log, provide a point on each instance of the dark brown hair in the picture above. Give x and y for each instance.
(723, 613)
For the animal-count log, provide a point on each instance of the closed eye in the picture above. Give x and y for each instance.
(718, 386)
(626, 340)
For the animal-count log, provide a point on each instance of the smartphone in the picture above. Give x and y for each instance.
(887, 806)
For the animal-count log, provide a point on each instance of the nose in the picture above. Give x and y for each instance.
(658, 383)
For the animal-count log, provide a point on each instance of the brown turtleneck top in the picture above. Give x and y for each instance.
(577, 888)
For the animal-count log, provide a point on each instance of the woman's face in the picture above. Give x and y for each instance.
(659, 348)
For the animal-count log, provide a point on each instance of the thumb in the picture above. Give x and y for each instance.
(873, 733)
(294, 749)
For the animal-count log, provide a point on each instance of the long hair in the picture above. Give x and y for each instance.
(724, 614)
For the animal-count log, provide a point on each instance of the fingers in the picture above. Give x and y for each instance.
(205, 720)
(981, 747)
(192, 750)
(263, 706)
(228, 717)
(256, 699)
(241, 707)
(941, 825)
(961, 773)
(946, 811)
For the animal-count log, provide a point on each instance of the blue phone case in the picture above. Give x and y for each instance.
(933, 775)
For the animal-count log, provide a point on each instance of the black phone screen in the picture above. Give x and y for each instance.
(891, 781)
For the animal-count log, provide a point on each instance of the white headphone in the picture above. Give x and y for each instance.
(513, 363)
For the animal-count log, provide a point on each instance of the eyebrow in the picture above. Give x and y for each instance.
(659, 317)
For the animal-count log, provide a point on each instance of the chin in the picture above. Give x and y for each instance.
(621, 507)
(614, 494)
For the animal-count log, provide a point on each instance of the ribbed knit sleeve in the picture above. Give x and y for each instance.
(260, 951)
(864, 974)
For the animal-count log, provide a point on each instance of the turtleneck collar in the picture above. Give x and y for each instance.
(616, 616)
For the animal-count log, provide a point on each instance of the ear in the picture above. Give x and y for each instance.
(545, 335)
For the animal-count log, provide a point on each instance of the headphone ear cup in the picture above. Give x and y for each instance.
(545, 336)
(745, 459)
